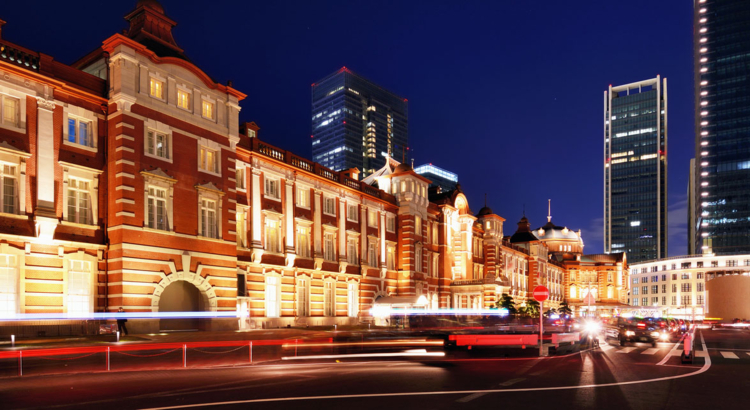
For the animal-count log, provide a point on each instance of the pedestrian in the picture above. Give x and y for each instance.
(121, 322)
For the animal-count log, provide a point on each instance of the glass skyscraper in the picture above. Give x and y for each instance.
(635, 170)
(356, 123)
(721, 202)
(440, 177)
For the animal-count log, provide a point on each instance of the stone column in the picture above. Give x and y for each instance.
(255, 241)
(45, 215)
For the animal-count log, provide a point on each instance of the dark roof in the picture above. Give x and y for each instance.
(523, 237)
(402, 167)
(485, 211)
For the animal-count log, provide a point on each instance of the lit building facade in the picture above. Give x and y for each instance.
(676, 286)
(446, 180)
(721, 199)
(128, 181)
(635, 169)
(356, 123)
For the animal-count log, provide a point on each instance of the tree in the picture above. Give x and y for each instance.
(564, 309)
(532, 308)
(549, 313)
(506, 302)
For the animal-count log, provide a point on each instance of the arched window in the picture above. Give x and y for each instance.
(573, 292)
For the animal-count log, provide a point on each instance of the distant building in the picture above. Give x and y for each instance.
(721, 50)
(444, 179)
(356, 123)
(635, 169)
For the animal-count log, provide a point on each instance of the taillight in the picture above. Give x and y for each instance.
(641, 325)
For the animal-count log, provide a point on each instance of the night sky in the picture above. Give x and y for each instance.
(509, 95)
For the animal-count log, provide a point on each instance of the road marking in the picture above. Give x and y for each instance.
(748, 354)
(606, 347)
(673, 352)
(703, 369)
(626, 350)
(652, 350)
(512, 382)
(729, 355)
(477, 395)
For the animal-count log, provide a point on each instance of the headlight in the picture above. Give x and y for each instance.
(576, 325)
(665, 336)
(629, 333)
(655, 334)
(593, 327)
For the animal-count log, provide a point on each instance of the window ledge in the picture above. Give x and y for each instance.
(13, 128)
(209, 172)
(208, 118)
(78, 225)
(14, 216)
(265, 252)
(327, 214)
(79, 146)
(266, 196)
(146, 153)
(155, 230)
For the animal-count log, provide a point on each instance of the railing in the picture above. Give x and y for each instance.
(298, 162)
(20, 57)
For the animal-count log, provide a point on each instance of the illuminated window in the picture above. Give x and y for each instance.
(79, 201)
(241, 227)
(273, 237)
(156, 88)
(273, 296)
(351, 251)
(10, 110)
(303, 297)
(208, 224)
(390, 260)
(329, 205)
(390, 223)
(208, 160)
(303, 241)
(372, 253)
(79, 288)
(418, 225)
(352, 213)
(303, 197)
(239, 177)
(372, 218)
(207, 109)
(158, 145)
(272, 188)
(329, 246)
(418, 259)
(183, 99)
(80, 132)
(8, 286)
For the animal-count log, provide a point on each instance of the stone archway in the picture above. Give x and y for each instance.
(183, 292)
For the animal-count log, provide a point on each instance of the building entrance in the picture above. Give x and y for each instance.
(181, 296)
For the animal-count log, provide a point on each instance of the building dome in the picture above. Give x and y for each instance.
(485, 211)
(403, 167)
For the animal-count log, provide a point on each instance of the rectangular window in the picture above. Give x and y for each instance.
(8, 286)
(609, 277)
(700, 264)
(390, 259)
(329, 248)
(685, 276)
(686, 300)
(664, 301)
(732, 263)
(273, 296)
(79, 288)
(654, 279)
(352, 213)
(674, 287)
(207, 109)
(303, 197)
(700, 300)
(699, 287)
(241, 227)
(303, 302)
(714, 264)
(644, 290)
(329, 206)
(8, 189)
(80, 132)
(239, 177)
(685, 287)
(390, 223)
(674, 276)
(272, 236)
(241, 285)
(157, 209)
(655, 289)
(372, 254)
(674, 300)
(208, 219)
(352, 301)
(272, 188)
(157, 144)
(11, 110)
(156, 88)
(635, 280)
(435, 232)
(79, 201)
(303, 241)
(351, 251)
(418, 259)
(663, 278)
(183, 99)
(699, 275)
(654, 268)
(372, 218)
(329, 299)
(635, 301)
(655, 301)
(418, 225)
(209, 160)
(636, 291)
(663, 288)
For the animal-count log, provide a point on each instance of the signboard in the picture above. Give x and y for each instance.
(541, 293)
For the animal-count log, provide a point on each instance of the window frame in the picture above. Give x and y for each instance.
(205, 102)
(203, 223)
(307, 227)
(390, 226)
(268, 184)
(302, 192)
(155, 80)
(329, 298)
(15, 177)
(189, 101)
(325, 209)
(352, 213)
(148, 148)
(17, 123)
(203, 160)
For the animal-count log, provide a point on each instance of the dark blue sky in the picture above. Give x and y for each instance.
(509, 95)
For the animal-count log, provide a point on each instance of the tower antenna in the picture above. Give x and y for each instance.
(549, 210)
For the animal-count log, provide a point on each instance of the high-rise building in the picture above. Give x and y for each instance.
(635, 169)
(446, 180)
(722, 124)
(356, 123)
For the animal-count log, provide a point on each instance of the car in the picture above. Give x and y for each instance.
(635, 330)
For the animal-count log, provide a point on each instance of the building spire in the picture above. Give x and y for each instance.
(485, 199)
(549, 210)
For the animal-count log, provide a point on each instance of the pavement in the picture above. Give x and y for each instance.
(613, 377)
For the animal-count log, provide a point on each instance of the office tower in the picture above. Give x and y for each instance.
(635, 169)
(722, 122)
(356, 123)
(446, 180)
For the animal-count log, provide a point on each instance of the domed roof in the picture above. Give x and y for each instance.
(551, 231)
(402, 167)
(485, 211)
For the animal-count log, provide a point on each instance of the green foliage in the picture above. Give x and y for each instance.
(549, 313)
(564, 309)
(532, 308)
(506, 302)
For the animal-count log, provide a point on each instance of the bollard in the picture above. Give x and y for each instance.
(107, 358)
(118, 336)
(251, 351)
(20, 363)
(687, 348)
(12, 340)
(184, 355)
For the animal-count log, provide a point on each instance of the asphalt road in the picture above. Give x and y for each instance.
(612, 377)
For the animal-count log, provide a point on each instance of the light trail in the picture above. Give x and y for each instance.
(381, 343)
(119, 315)
(408, 353)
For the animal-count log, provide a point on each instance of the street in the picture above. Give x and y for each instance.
(634, 376)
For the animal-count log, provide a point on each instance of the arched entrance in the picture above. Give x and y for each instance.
(181, 296)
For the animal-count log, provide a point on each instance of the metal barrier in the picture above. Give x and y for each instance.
(558, 338)
(495, 340)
